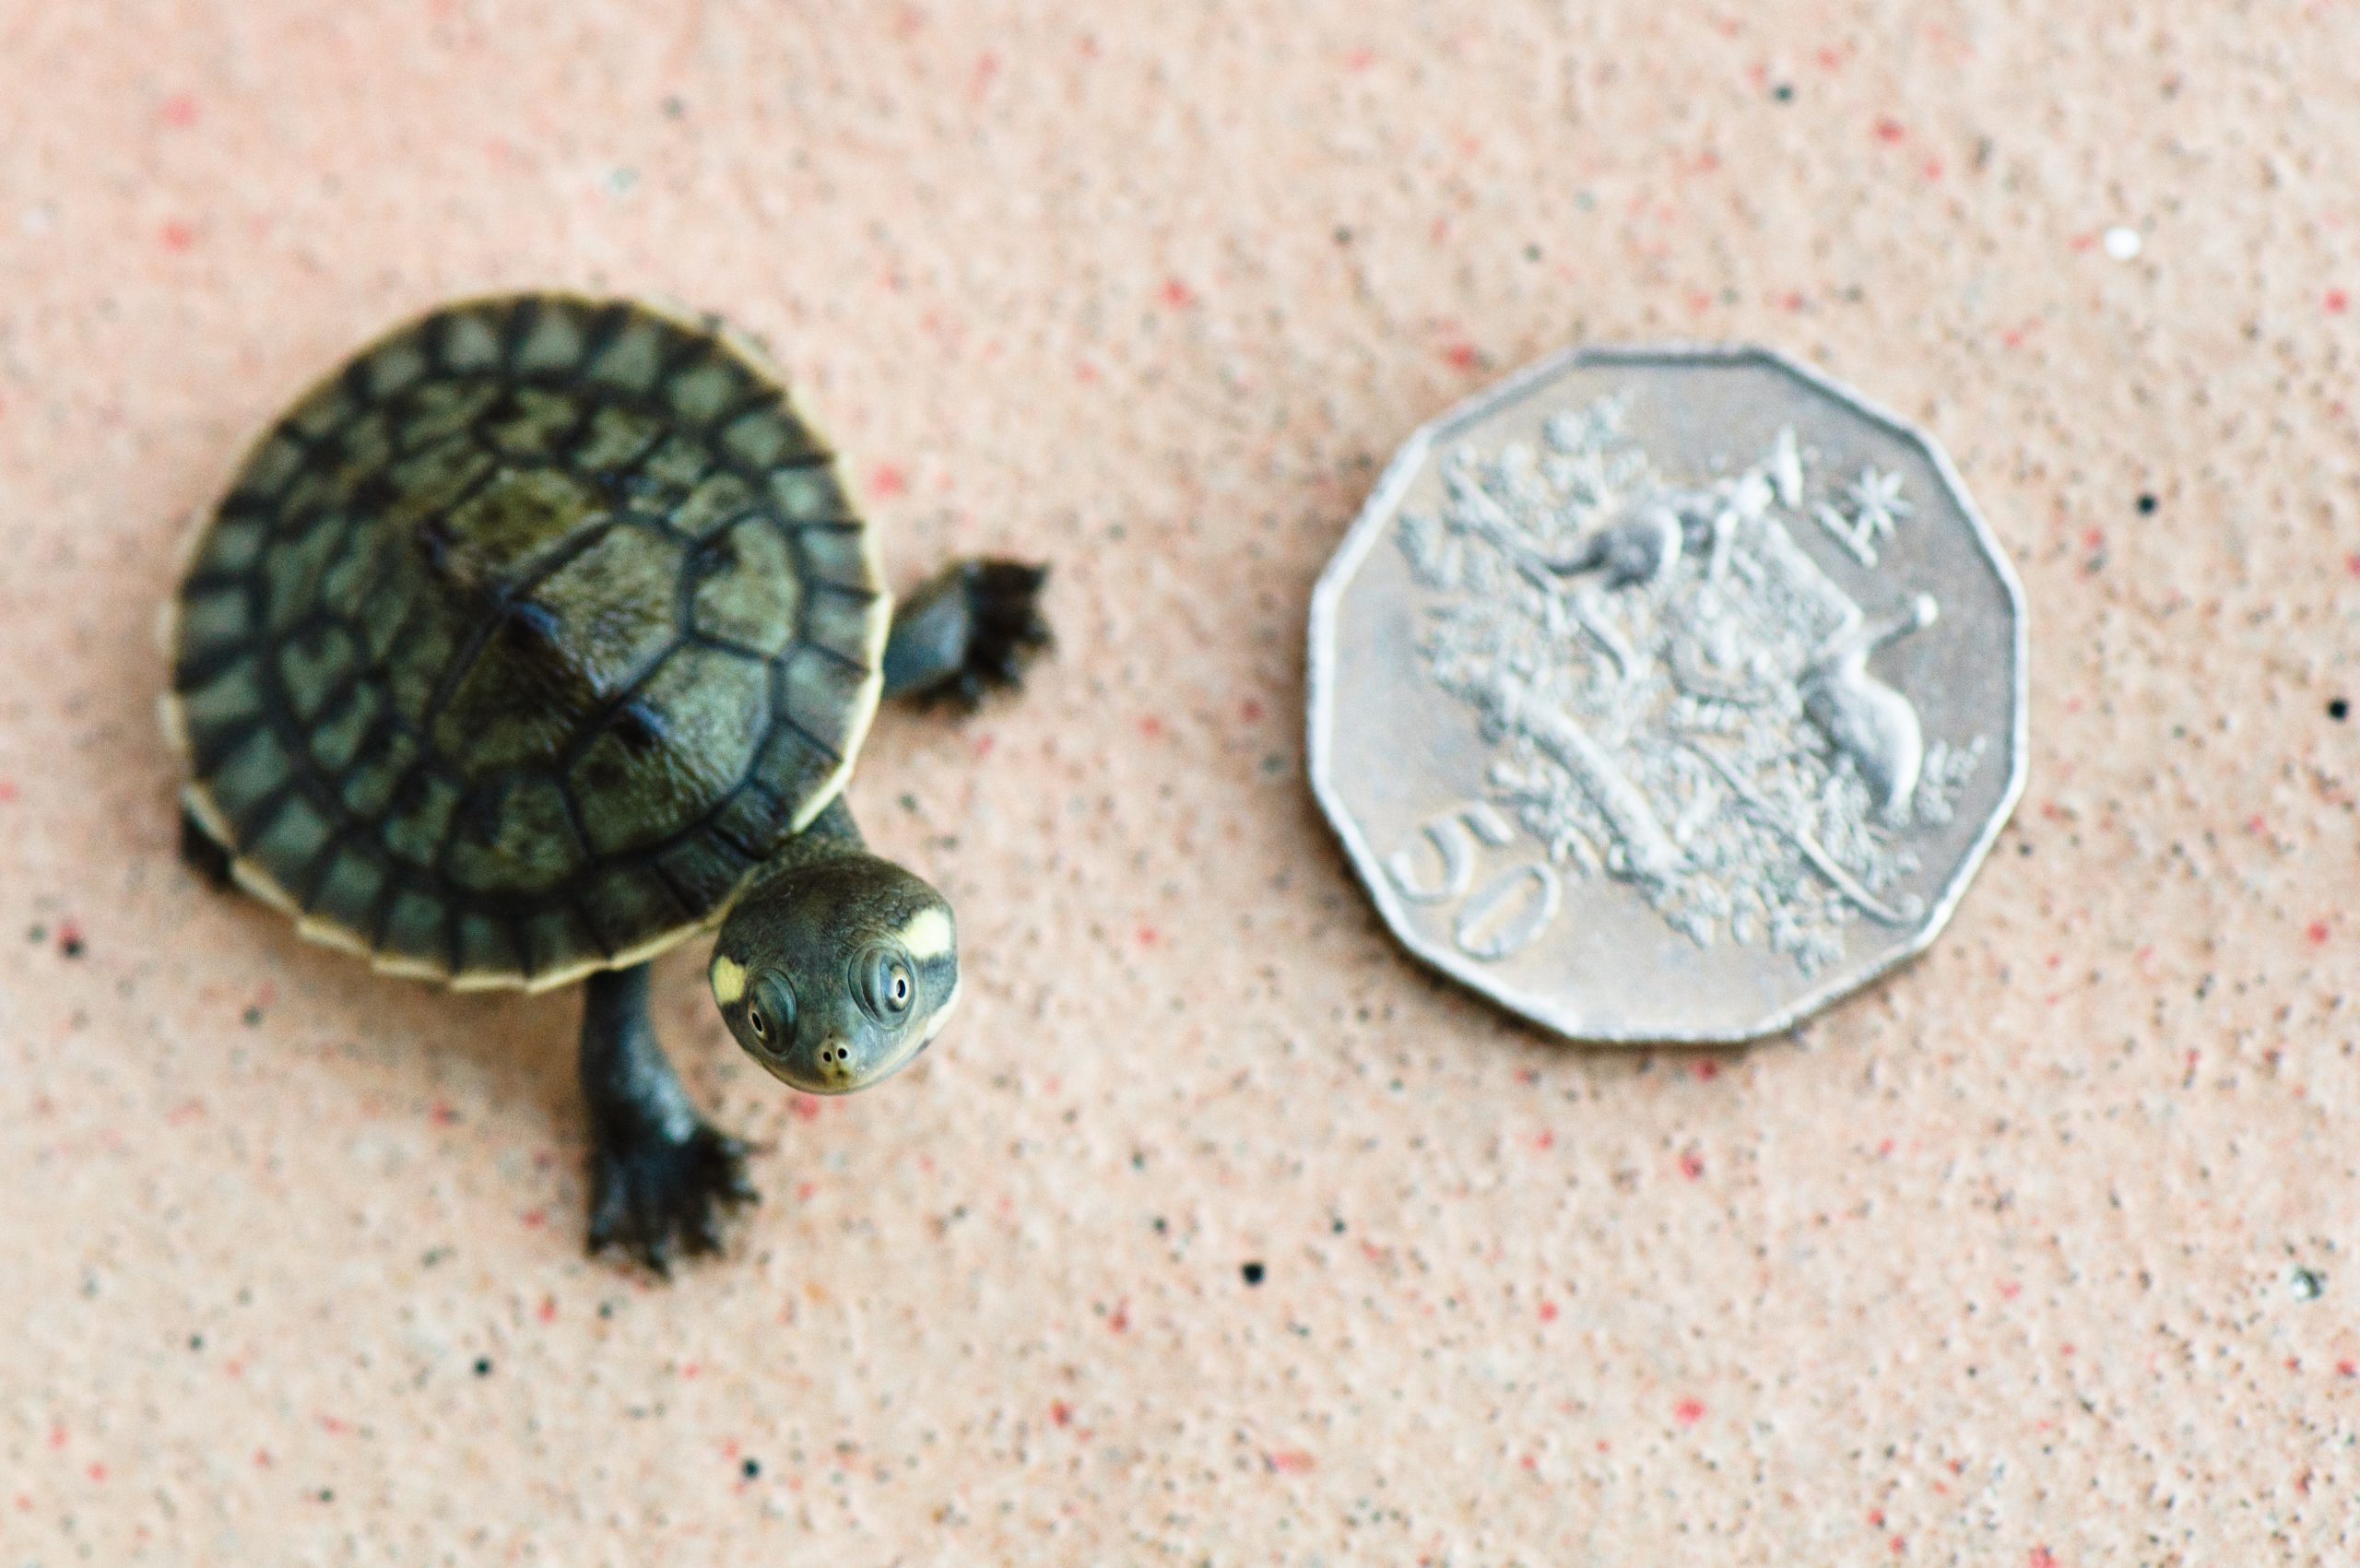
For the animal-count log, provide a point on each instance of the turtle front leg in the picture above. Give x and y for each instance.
(971, 627)
(660, 1174)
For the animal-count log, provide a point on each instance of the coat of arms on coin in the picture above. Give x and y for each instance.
(1668, 694)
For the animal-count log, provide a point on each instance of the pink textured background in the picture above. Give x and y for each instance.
(1996, 1265)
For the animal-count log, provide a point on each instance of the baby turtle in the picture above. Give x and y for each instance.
(541, 637)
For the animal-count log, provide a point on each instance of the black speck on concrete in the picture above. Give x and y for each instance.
(483, 1366)
(1253, 1273)
(750, 1468)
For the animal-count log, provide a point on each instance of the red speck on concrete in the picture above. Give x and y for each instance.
(1899, 1545)
(1933, 169)
(2041, 1558)
(1545, 1140)
(1151, 727)
(98, 1472)
(2009, 1289)
(1359, 59)
(7, 792)
(1177, 294)
(1890, 130)
(807, 1108)
(2347, 1368)
(887, 480)
(1692, 1164)
(1250, 710)
(1119, 1320)
(57, 1437)
(1688, 1411)
(176, 235)
(1085, 372)
(1293, 1462)
(262, 1459)
(2318, 932)
(689, 1372)
(2351, 565)
(1060, 1412)
(1548, 1312)
(443, 1114)
(1706, 1068)
(1462, 356)
(2094, 539)
(178, 110)
(535, 1218)
(2337, 302)
(547, 1311)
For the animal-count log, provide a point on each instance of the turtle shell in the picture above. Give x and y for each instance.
(520, 641)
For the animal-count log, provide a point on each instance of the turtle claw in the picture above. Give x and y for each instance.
(652, 1192)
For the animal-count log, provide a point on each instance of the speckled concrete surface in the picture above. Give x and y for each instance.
(2039, 1254)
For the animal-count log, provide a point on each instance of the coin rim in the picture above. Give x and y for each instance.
(1383, 505)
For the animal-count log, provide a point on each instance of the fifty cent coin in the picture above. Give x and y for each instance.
(1668, 694)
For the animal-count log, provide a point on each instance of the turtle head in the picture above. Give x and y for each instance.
(837, 974)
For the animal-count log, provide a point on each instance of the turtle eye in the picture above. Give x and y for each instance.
(770, 1011)
(886, 988)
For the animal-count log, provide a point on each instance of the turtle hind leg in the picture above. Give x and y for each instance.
(661, 1176)
(203, 852)
(972, 626)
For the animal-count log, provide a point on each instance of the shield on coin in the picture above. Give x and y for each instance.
(1668, 694)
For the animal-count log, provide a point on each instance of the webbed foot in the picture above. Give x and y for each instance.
(973, 627)
(651, 1191)
(661, 1176)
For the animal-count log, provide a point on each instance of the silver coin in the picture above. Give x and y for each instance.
(1668, 694)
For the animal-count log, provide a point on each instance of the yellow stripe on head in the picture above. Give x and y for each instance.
(928, 935)
(729, 980)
